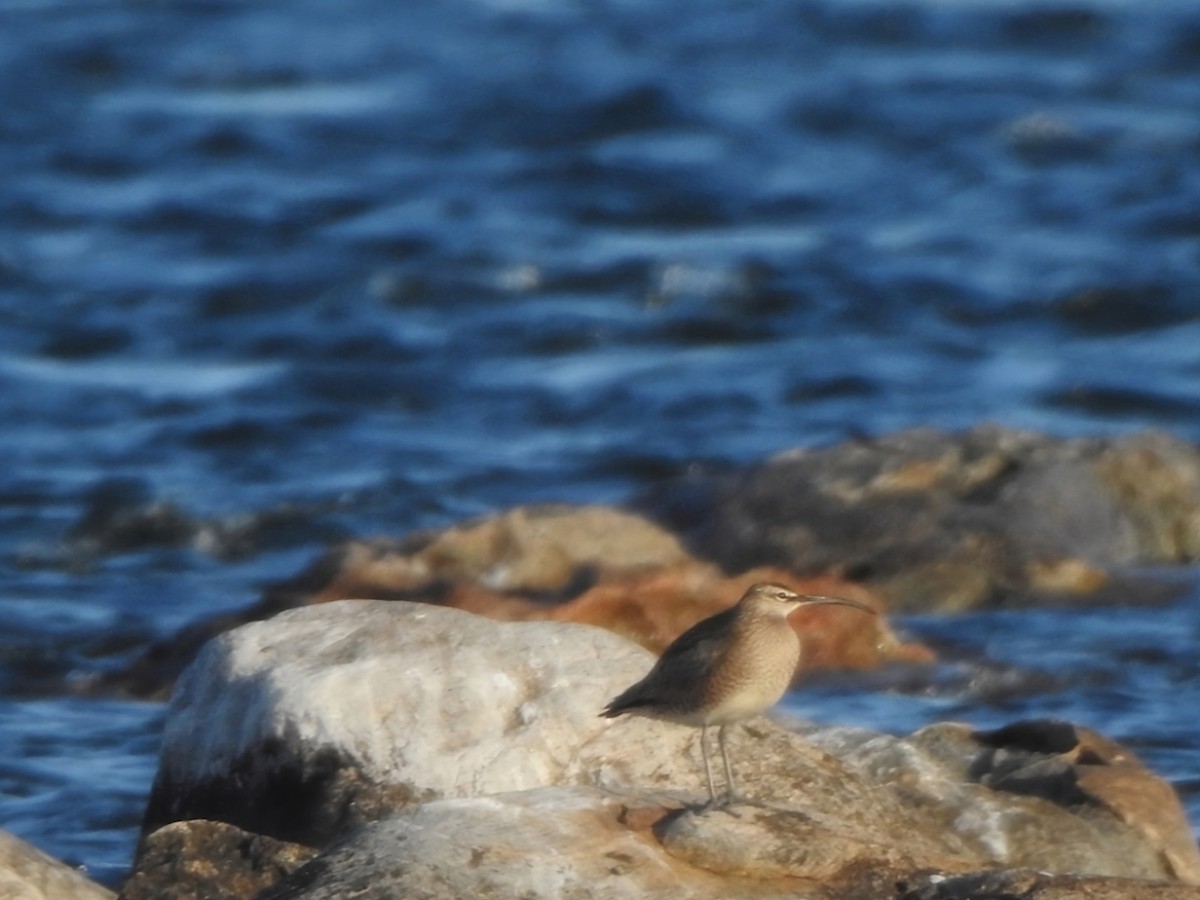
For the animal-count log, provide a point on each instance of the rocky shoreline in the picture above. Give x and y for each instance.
(417, 716)
(414, 750)
(918, 521)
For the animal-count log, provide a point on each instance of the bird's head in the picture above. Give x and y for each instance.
(776, 600)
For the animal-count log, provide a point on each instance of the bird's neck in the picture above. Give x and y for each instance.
(760, 621)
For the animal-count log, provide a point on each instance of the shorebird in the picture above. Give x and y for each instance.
(726, 668)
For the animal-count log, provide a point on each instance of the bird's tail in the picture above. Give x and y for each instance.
(622, 703)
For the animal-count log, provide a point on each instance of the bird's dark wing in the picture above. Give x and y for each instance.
(688, 660)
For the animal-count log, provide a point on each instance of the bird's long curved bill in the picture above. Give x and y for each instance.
(814, 599)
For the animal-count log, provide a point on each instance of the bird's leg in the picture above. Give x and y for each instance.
(712, 791)
(730, 785)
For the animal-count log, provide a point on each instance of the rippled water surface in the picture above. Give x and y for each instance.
(282, 273)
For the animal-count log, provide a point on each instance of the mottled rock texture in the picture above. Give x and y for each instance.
(203, 860)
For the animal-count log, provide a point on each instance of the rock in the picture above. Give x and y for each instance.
(545, 549)
(509, 566)
(760, 842)
(177, 863)
(1023, 884)
(992, 516)
(1148, 804)
(649, 604)
(543, 843)
(656, 607)
(306, 726)
(26, 873)
(924, 520)
(477, 747)
(531, 551)
(580, 842)
(326, 717)
(1042, 794)
(1156, 480)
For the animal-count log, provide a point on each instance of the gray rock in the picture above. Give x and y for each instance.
(1024, 884)
(991, 516)
(1043, 795)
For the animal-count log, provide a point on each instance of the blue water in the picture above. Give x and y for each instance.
(294, 272)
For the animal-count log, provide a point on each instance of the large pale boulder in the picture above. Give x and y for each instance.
(309, 726)
(326, 717)
(26, 873)
(349, 709)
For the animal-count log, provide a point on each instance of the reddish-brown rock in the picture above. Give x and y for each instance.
(594, 565)
(656, 607)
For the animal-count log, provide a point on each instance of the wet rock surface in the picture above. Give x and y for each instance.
(450, 755)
